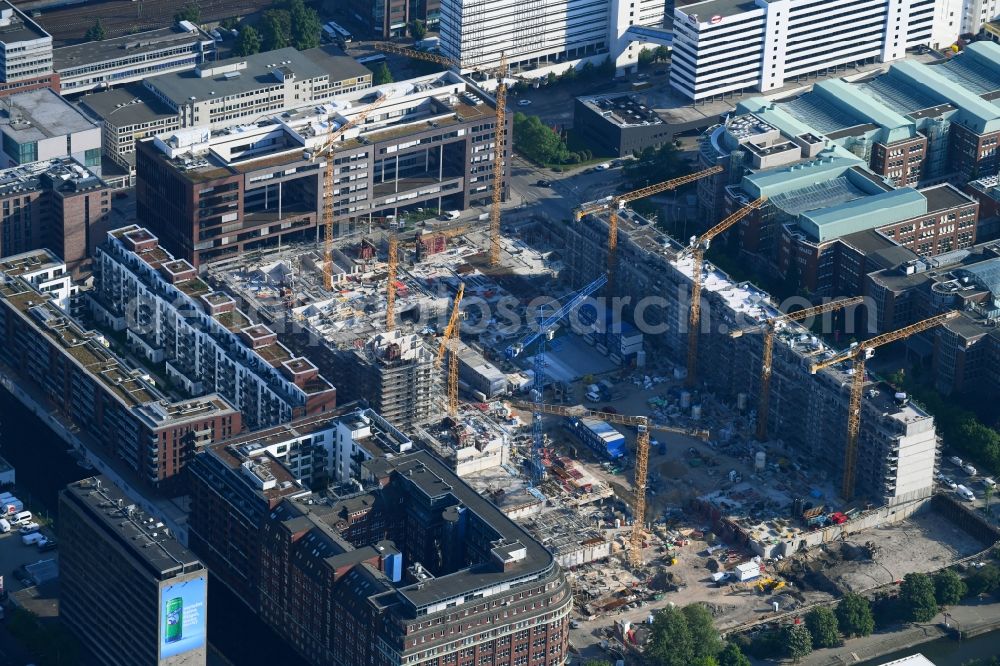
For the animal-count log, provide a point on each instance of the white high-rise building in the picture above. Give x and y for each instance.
(543, 35)
(723, 46)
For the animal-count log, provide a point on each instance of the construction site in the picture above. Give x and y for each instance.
(751, 466)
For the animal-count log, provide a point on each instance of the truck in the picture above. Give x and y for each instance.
(11, 506)
(965, 493)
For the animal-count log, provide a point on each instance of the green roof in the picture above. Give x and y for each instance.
(862, 214)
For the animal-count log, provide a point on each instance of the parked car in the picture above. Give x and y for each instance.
(524, 102)
(543, 183)
(989, 482)
(45, 545)
(955, 460)
(969, 469)
(603, 166)
(29, 528)
(948, 483)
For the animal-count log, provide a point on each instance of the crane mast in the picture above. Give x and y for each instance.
(859, 355)
(449, 342)
(390, 289)
(767, 353)
(697, 252)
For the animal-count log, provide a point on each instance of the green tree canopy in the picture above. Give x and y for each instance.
(798, 641)
(654, 165)
(917, 596)
(732, 655)
(305, 25)
(822, 625)
(248, 42)
(537, 141)
(854, 615)
(381, 75)
(189, 12)
(984, 580)
(670, 639)
(949, 588)
(95, 33)
(705, 639)
(276, 29)
(418, 29)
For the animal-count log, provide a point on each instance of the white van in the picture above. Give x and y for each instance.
(32, 539)
(4, 526)
(965, 493)
(21, 517)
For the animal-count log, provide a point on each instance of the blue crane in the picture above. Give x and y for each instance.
(541, 335)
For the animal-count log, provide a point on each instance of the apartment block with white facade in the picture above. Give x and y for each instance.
(726, 46)
(197, 337)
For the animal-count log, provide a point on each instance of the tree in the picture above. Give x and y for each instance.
(822, 625)
(607, 68)
(304, 23)
(189, 12)
(646, 57)
(917, 596)
(654, 165)
(949, 588)
(248, 41)
(732, 655)
(276, 29)
(987, 499)
(418, 30)
(704, 638)
(95, 33)
(662, 53)
(798, 641)
(382, 75)
(670, 639)
(854, 615)
(597, 662)
(537, 141)
(984, 580)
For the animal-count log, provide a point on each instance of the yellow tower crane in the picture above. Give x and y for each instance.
(390, 288)
(499, 131)
(859, 354)
(642, 425)
(449, 341)
(612, 204)
(697, 252)
(767, 354)
(328, 151)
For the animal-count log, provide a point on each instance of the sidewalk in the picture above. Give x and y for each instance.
(969, 616)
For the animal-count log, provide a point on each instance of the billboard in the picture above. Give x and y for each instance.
(183, 617)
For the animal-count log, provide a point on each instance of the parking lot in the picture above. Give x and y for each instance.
(14, 555)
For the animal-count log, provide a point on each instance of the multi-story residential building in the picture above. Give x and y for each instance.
(152, 591)
(25, 53)
(393, 18)
(416, 551)
(394, 372)
(809, 413)
(213, 195)
(47, 273)
(725, 46)
(118, 60)
(965, 350)
(113, 403)
(56, 204)
(40, 125)
(204, 343)
(811, 207)
(218, 94)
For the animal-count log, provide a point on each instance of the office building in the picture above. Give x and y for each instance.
(726, 46)
(56, 204)
(171, 317)
(393, 18)
(115, 61)
(39, 125)
(25, 53)
(620, 124)
(112, 402)
(811, 208)
(376, 574)
(807, 412)
(212, 195)
(128, 590)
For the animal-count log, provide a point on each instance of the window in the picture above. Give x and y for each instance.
(92, 157)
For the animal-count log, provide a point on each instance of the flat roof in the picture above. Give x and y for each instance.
(41, 114)
(709, 8)
(945, 196)
(128, 46)
(130, 104)
(21, 28)
(143, 536)
(339, 66)
(259, 73)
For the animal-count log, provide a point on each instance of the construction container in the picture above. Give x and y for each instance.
(746, 571)
(599, 436)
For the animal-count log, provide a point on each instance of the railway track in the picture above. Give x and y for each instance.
(68, 24)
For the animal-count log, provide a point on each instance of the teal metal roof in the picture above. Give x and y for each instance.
(847, 97)
(973, 111)
(862, 214)
(783, 180)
